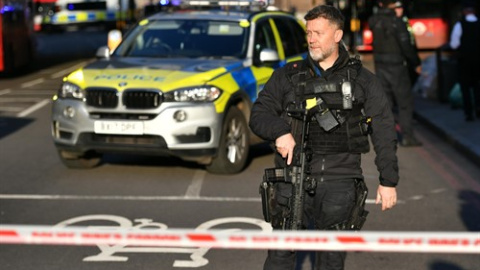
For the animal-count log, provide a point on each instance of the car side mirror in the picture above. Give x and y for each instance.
(268, 55)
(103, 52)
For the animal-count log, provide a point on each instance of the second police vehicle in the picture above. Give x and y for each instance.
(180, 83)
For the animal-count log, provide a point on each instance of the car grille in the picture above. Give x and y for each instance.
(146, 140)
(102, 97)
(131, 98)
(141, 99)
(122, 116)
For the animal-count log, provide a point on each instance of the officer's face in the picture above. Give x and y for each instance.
(399, 11)
(323, 38)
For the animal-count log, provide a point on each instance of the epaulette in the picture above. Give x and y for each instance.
(295, 65)
(293, 70)
(355, 61)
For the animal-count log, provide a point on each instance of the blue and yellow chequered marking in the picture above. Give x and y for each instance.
(66, 17)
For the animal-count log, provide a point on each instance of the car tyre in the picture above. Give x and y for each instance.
(234, 145)
(79, 161)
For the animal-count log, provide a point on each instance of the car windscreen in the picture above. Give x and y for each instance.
(186, 38)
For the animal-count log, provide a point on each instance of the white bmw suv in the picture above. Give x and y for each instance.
(179, 84)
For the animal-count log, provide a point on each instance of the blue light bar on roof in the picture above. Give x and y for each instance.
(7, 9)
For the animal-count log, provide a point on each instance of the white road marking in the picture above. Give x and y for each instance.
(5, 91)
(136, 198)
(32, 92)
(439, 190)
(113, 253)
(33, 108)
(32, 83)
(11, 109)
(193, 190)
(124, 198)
(21, 99)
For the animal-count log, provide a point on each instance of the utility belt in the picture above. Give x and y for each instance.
(276, 193)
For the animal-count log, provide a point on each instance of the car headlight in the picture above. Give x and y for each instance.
(70, 90)
(194, 94)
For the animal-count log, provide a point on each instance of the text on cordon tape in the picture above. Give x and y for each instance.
(427, 242)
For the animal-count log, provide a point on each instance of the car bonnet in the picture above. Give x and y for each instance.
(166, 75)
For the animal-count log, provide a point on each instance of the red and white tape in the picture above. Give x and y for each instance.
(424, 242)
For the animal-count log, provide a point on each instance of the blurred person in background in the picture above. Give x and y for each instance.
(413, 72)
(465, 38)
(395, 55)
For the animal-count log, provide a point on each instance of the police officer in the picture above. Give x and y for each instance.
(465, 38)
(335, 160)
(394, 54)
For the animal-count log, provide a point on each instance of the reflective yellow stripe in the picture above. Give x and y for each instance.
(278, 40)
(101, 15)
(229, 86)
(65, 17)
(82, 17)
(62, 18)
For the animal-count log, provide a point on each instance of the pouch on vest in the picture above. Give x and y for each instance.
(325, 117)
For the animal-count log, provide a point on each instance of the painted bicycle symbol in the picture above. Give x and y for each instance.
(110, 252)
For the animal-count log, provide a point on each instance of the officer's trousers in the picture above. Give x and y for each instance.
(470, 87)
(331, 204)
(395, 80)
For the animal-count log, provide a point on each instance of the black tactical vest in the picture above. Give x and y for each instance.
(350, 135)
(386, 47)
(470, 40)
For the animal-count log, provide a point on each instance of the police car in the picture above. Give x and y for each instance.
(179, 84)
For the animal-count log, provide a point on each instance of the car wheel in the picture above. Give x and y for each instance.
(234, 145)
(79, 161)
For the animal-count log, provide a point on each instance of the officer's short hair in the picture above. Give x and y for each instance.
(329, 13)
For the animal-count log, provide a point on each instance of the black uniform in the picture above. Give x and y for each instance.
(394, 52)
(335, 170)
(469, 59)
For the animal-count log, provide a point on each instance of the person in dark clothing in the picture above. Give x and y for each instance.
(394, 55)
(335, 160)
(465, 38)
(413, 72)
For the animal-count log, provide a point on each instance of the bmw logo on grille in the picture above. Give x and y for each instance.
(122, 84)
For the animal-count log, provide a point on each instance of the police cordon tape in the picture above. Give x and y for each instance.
(423, 242)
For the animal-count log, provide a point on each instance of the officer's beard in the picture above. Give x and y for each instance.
(320, 55)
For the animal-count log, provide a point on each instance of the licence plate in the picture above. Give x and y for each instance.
(119, 127)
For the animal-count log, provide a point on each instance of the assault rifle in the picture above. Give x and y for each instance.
(297, 174)
(292, 215)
